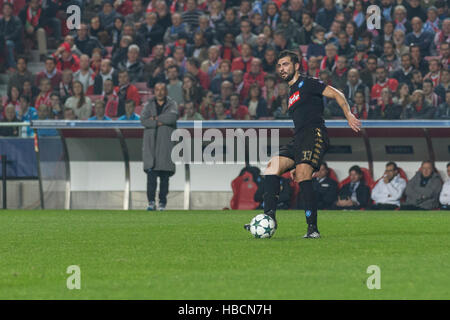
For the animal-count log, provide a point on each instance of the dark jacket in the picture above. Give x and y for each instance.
(135, 71)
(261, 109)
(152, 37)
(425, 197)
(11, 30)
(362, 195)
(326, 192)
(98, 82)
(88, 45)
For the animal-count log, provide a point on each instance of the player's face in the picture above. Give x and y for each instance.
(286, 69)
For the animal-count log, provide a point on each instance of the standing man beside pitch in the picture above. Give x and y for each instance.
(307, 148)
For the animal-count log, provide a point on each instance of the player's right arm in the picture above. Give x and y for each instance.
(333, 93)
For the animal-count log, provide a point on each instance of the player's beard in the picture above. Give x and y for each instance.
(290, 76)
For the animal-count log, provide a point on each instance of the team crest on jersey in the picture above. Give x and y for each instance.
(294, 98)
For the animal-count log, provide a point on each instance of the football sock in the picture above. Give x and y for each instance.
(310, 202)
(271, 192)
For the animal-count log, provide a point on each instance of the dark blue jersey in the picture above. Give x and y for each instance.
(306, 102)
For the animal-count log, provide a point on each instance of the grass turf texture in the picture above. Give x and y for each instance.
(208, 255)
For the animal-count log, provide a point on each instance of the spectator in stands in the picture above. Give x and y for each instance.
(368, 74)
(29, 91)
(325, 188)
(316, 48)
(443, 36)
(307, 30)
(313, 67)
(159, 118)
(110, 98)
(191, 15)
(50, 72)
(236, 110)
(399, 42)
(354, 84)
(355, 194)
(33, 21)
(65, 59)
(220, 112)
(254, 75)
(325, 16)
(442, 87)
(414, 9)
(417, 59)
(107, 71)
(228, 49)
(120, 51)
(133, 65)
(344, 47)
(213, 61)
(339, 73)
(200, 49)
(153, 70)
(422, 191)
(115, 32)
(190, 113)
(85, 74)
(270, 91)
(126, 91)
(84, 42)
(180, 59)
(193, 67)
(137, 17)
(329, 61)
(435, 73)
(10, 35)
(443, 111)
(81, 104)
(269, 61)
(108, 14)
(280, 105)
(360, 108)
(280, 42)
(433, 22)
(10, 116)
(388, 191)
(416, 80)
(44, 114)
(65, 86)
(386, 35)
(382, 82)
(402, 96)
(246, 35)
(444, 197)
(401, 22)
(56, 109)
(244, 61)
(171, 34)
(17, 78)
(192, 91)
(207, 106)
(45, 89)
(260, 47)
(69, 114)
(404, 72)
(389, 59)
(419, 108)
(97, 30)
(430, 96)
(130, 106)
(175, 85)
(229, 24)
(13, 97)
(257, 106)
(26, 111)
(99, 106)
(216, 13)
(223, 74)
(386, 108)
(151, 31)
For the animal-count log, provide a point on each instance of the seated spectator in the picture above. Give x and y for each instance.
(355, 194)
(171, 34)
(422, 191)
(236, 110)
(389, 59)
(238, 83)
(255, 75)
(261, 46)
(430, 96)
(26, 111)
(226, 89)
(317, 47)
(368, 74)
(387, 34)
(44, 114)
(22, 73)
(107, 71)
(84, 42)
(137, 16)
(404, 73)
(399, 43)
(443, 111)
(110, 98)
(33, 21)
(45, 89)
(360, 108)
(401, 22)
(270, 91)
(419, 108)
(193, 67)
(65, 59)
(10, 116)
(50, 72)
(69, 114)
(81, 105)
(56, 109)
(85, 75)
(325, 189)
(313, 67)
(192, 91)
(190, 113)
(444, 197)
(244, 61)
(10, 35)
(29, 91)
(206, 108)
(129, 111)
(191, 14)
(257, 106)
(402, 96)
(13, 98)
(115, 32)
(175, 85)
(441, 37)
(419, 36)
(220, 111)
(108, 14)
(269, 62)
(204, 27)
(133, 64)
(65, 86)
(97, 30)
(435, 73)
(386, 108)
(154, 70)
(345, 48)
(200, 48)
(246, 35)
(354, 84)
(222, 74)
(280, 105)
(389, 189)
(120, 52)
(213, 62)
(416, 80)
(99, 106)
(230, 24)
(183, 41)
(382, 82)
(229, 50)
(126, 91)
(308, 27)
(441, 88)
(417, 59)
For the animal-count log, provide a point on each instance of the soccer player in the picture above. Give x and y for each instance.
(305, 152)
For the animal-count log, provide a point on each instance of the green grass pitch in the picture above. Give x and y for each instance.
(208, 255)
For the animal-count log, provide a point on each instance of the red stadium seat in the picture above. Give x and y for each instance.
(332, 175)
(138, 109)
(367, 179)
(244, 189)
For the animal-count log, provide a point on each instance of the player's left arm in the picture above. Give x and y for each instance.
(333, 93)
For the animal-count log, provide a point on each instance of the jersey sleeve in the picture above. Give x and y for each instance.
(316, 86)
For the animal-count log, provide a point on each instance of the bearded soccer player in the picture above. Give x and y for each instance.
(306, 150)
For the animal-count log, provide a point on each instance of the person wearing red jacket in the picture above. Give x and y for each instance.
(193, 67)
(126, 91)
(244, 61)
(65, 59)
(382, 82)
(255, 75)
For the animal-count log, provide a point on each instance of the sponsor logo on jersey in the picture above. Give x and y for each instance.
(294, 98)
(300, 84)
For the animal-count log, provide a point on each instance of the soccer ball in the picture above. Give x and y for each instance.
(262, 226)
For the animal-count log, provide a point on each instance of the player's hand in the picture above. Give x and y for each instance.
(353, 122)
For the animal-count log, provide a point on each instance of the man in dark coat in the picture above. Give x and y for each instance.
(159, 118)
(355, 194)
(10, 34)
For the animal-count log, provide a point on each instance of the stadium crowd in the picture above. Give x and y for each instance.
(218, 57)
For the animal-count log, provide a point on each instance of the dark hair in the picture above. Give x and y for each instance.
(372, 57)
(392, 163)
(193, 61)
(357, 169)
(448, 164)
(130, 102)
(50, 58)
(82, 99)
(291, 54)
(428, 81)
(8, 4)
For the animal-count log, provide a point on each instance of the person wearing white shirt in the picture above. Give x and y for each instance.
(444, 197)
(389, 189)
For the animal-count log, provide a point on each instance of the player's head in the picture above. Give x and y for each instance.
(287, 65)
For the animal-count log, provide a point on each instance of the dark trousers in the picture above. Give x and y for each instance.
(410, 207)
(152, 176)
(383, 206)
